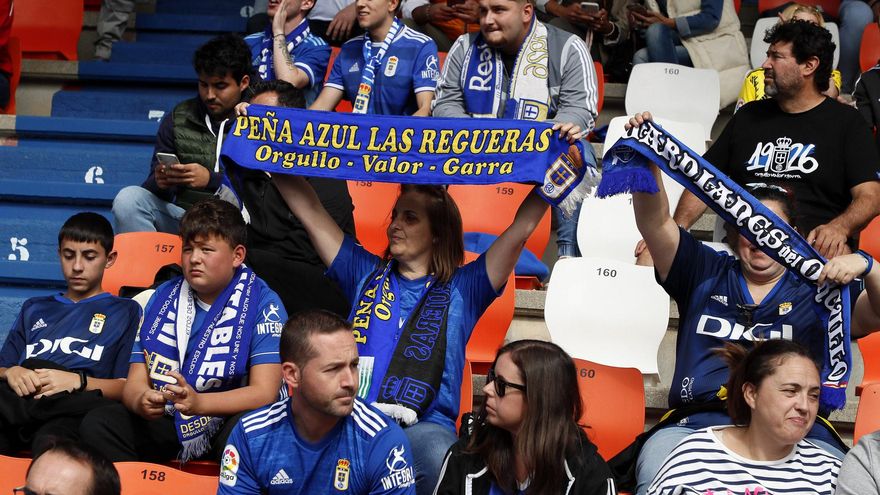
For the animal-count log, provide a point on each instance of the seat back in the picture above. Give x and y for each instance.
(869, 239)
(869, 53)
(600, 85)
(675, 92)
(868, 415)
(50, 34)
(491, 328)
(830, 7)
(372, 202)
(14, 47)
(139, 256)
(475, 202)
(466, 402)
(144, 478)
(607, 227)
(14, 471)
(614, 405)
(607, 311)
(758, 49)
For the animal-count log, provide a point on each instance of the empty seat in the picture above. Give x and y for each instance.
(675, 92)
(48, 30)
(144, 478)
(491, 328)
(869, 53)
(607, 311)
(14, 471)
(829, 7)
(868, 415)
(155, 52)
(199, 23)
(466, 401)
(614, 405)
(758, 49)
(372, 202)
(14, 48)
(11, 299)
(130, 103)
(139, 256)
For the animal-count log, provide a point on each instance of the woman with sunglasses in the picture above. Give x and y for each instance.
(743, 299)
(773, 396)
(414, 308)
(526, 438)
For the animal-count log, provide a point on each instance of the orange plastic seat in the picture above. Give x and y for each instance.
(144, 478)
(466, 402)
(491, 328)
(829, 7)
(869, 240)
(614, 405)
(139, 256)
(14, 472)
(14, 48)
(869, 52)
(600, 84)
(490, 209)
(48, 30)
(373, 202)
(868, 415)
(201, 468)
(441, 59)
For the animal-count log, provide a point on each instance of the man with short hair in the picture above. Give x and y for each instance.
(552, 77)
(390, 70)
(815, 147)
(69, 469)
(322, 439)
(287, 49)
(193, 133)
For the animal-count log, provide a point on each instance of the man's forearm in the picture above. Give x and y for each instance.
(689, 209)
(857, 215)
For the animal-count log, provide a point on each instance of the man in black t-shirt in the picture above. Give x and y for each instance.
(817, 148)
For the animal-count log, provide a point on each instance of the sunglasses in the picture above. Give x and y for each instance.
(501, 384)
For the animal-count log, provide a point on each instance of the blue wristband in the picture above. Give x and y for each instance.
(870, 261)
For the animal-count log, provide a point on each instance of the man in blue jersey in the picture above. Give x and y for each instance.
(206, 351)
(322, 439)
(64, 351)
(287, 49)
(390, 70)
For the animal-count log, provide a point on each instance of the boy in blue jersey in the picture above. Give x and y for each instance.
(390, 70)
(203, 335)
(288, 51)
(66, 350)
(322, 439)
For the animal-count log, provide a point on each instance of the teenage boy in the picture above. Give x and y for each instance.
(287, 49)
(66, 350)
(202, 335)
(322, 439)
(390, 70)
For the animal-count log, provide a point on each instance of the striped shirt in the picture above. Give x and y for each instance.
(702, 465)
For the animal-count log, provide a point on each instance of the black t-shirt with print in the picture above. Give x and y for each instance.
(820, 154)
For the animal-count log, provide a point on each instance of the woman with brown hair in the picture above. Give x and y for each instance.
(526, 438)
(414, 308)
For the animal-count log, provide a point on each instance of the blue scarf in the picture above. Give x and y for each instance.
(371, 61)
(266, 67)
(224, 337)
(412, 150)
(625, 169)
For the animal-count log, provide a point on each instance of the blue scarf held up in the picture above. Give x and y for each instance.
(223, 344)
(625, 169)
(412, 150)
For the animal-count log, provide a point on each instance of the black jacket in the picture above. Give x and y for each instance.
(867, 96)
(467, 473)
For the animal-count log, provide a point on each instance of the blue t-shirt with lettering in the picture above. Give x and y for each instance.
(311, 56)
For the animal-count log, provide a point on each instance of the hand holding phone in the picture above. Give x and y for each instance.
(591, 8)
(637, 8)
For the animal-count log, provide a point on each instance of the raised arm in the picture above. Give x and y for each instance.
(842, 270)
(688, 210)
(303, 202)
(504, 252)
(284, 67)
(657, 227)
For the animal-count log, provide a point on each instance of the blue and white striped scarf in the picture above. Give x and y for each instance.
(371, 62)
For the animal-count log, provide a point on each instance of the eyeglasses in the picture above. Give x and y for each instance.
(500, 384)
(23, 490)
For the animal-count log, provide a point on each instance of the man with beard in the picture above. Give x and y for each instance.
(321, 439)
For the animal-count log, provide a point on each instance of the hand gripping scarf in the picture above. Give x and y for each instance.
(412, 150)
(266, 68)
(371, 61)
(223, 343)
(528, 96)
(400, 376)
(625, 169)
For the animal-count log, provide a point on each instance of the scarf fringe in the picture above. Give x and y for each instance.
(589, 183)
(195, 447)
(624, 179)
(832, 398)
(403, 415)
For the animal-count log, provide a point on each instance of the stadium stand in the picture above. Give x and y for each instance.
(139, 256)
(614, 405)
(758, 48)
(868, 415)
(14, 471)
(48, 36)
(489, 332)
(675, 92)
(829, 7)
(143, 478)
(373, 202)
(14, 48)
(607, 311)
(869, 52)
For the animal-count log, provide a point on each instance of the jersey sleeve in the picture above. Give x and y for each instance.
(237, 475)
(476, 289)
(692, 265)
(14, 347)
(130, 330)
(335, 80)
(267, 333)
(314, 62)
(350, 266)
(391, 466)
(426, 69)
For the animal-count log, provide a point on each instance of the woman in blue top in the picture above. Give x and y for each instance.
(413, 309)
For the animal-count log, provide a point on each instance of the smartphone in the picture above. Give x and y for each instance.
(638, 8)
(167, 159)
(591, 8)
(453, 3)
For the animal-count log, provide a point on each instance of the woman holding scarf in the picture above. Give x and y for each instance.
(743, 299)
(413, 309)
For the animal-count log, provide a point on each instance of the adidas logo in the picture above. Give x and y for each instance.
(354, 68)
(281, 478)
(721, 299)
(38, 325)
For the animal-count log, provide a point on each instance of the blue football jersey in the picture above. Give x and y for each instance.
(410, 66)
(311, 56)
(365, 453)
(93, 335)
